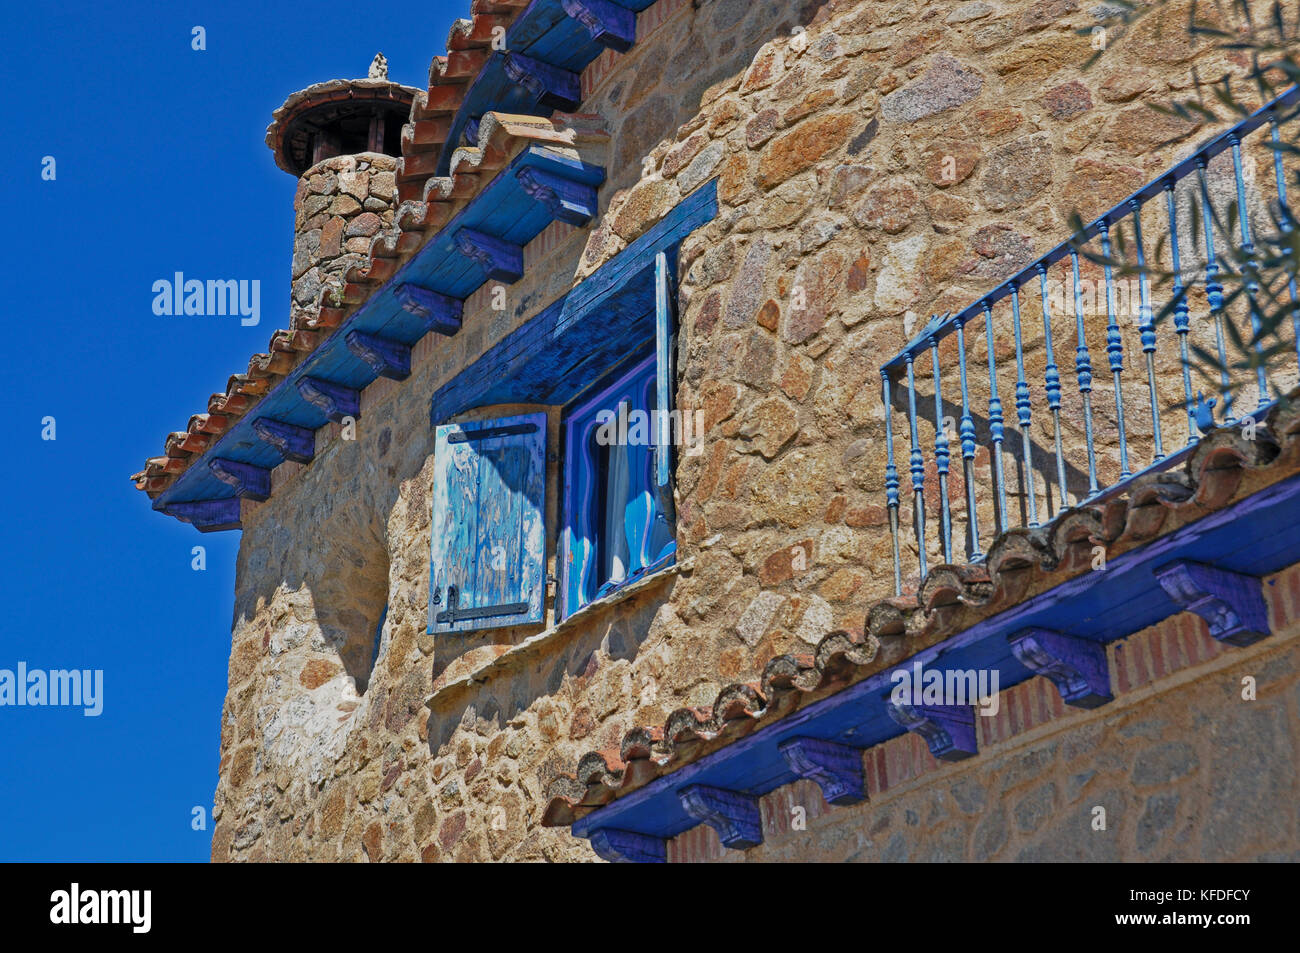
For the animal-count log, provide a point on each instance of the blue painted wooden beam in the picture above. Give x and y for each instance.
(1230, 602)
(499, 259)
(387, 358)
(335, 401)
(948, 730)
(610, 25)
(248, 481)
(294, 442)
(606, 319)
(836, 768)
(568, 201)
(732, 814)
(1077, 667)
(626, 847)
(208, 516)
(439, 312)
(549, 85)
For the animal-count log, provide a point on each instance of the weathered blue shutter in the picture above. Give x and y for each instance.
(487, 564)
(665, 333)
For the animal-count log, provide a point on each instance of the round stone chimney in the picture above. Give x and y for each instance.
(342, 139)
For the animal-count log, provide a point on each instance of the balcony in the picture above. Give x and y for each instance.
(1191, 279)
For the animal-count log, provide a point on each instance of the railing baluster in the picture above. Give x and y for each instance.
(1147, 329)
(1250, 270)
(967, 446)
(1023, 407)
(941, 458)
(891, 479)
(916, 464)
(1052, 378)
(996, 433)
(1083, 371)
(1287, 226)
(1181, 324)
(1214, 290)
(1115, 351)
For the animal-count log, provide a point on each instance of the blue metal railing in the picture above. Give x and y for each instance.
(1118, 234)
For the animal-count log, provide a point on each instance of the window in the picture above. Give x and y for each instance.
(487, 565)
(487, 549)
(617, 523)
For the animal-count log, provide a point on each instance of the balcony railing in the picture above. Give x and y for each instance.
(1062, 448)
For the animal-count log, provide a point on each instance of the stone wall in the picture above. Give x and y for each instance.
(839, 229)
(340, 205)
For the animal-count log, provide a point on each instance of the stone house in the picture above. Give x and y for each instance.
(569, 497)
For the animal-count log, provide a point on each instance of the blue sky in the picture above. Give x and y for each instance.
(160, 167)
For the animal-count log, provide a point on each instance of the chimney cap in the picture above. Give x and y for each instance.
(339, 111)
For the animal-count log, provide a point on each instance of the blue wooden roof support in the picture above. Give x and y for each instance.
(294, 443)
(733, 815)
(625, 847)
(440, 312)
(209, 516)
(327, 383)
(249, 482)
(545, 51)
(500, 260)
(551, 358)
(333, 400)
(948, 730)
(1077, 667)
(836, 768)
(387, 358)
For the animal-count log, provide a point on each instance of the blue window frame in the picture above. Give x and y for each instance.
(618, 523)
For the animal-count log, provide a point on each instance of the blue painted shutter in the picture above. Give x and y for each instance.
(665, 337)
(487, 564)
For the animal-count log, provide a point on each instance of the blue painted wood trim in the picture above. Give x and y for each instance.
(610, 25)
(1077, 667)
(499, 259)
(209, 516)
(487, 557)
(502, 208)
(387, 358)
(1231, 603)
(439, 312)
(836, 768)
(733, 815)
(249, 482)
(545, 51)
(335, 401)
(624, 847)
(948, 730)
(552, 357)
(572, 202)
(665, 372)
(1100, 607)
(294, 443)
